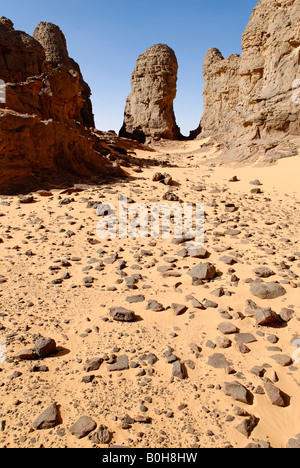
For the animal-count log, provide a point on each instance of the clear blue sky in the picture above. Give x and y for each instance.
(106, 37)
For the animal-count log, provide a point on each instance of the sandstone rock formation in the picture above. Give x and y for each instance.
(42, 122)
(54, 43)
(149, 108)
(251, 102)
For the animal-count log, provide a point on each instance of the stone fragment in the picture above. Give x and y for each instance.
(275, 395)
(101, 436)
(178, 309)
(120, 314)
(93, 364)
(282, 359)
(121, 364)
(178, 370)
(247, 426)
(83, 427)
(25, 355)
(267, 290)
(237, 391)
(48, 418)
(227, 328)
(218, 361)
(203, 271)
(44, 347)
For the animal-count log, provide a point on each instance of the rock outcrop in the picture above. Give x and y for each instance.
(43, 133)
(251, 102)
(54, 43)
(149, 109)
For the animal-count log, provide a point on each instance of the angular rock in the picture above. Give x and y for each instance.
(101, 436)
(93, 364)
(223, 342)
(45, 347)
(267, 290)
(247, 426)
(121, 364)
(282, 359)
(263, 272)
(178, 309)
(25, 355)
(203, 271)
(227, 328)
(265, 317)
(48, 419)
(119, 314)
(242, 348)
(237, 391)
(286, 314)
(197, 252)
(275, 395)
(178, 370)
(83, 427)
(245, 338)
(155, 306)
(135, 299)
(218, 361)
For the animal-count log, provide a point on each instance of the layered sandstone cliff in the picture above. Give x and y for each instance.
(43, 133)
(251, 102)
(149, 109)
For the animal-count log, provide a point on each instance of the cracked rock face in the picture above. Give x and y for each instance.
(54, 43)
(254, 98)
(44, 117)
(149, 109)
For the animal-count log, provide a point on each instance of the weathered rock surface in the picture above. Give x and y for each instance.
(43, 133)
(44, 347)
(237, 391)
(247, 426)
(294, 443)
(251, 102)
(83, 427)
(54, 43)
(101, 436)
(149, 108)
(267, 290)
(48, 419)
(275, 395)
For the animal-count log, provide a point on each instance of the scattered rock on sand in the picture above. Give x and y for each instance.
(93, 364)
(48, 419)
(101, 436)
(120, 314)
(237, 391)
(247, 426)
(83, 427)
(121, 364)
(45, 347)
(267, 290)
(203, 271)
(275, 395)
(218, 361)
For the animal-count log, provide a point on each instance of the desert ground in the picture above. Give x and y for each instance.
(58, 280)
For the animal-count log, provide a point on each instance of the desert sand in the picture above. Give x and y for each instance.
(59, 280)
